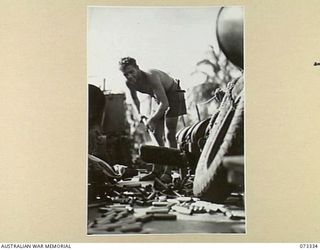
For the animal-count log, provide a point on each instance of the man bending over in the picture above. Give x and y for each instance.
(167, 93)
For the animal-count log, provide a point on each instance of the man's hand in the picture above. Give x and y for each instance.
(151, 125)
(142, 118)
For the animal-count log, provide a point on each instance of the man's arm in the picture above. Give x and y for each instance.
(134, 97)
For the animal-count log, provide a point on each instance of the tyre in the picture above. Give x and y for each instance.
(225, 138)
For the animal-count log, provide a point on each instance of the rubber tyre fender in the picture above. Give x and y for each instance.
(188, 135)
(199, 133)
(181, 137)
(180, 134)
(199, 130)
(226, 138)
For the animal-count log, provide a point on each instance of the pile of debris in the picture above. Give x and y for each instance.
(135, 204)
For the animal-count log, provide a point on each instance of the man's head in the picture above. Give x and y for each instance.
(129, 68)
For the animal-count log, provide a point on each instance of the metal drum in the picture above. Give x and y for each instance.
(115, 119)
(230, 33)
(96, 105)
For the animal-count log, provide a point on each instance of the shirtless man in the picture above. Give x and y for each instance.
(165, 90)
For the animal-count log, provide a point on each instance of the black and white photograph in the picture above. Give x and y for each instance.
(166, 100)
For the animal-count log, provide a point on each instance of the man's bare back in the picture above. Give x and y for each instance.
(147, 85)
